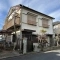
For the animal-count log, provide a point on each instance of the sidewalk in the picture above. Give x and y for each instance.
(6, 54)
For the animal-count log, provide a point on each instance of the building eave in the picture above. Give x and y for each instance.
(22, 6)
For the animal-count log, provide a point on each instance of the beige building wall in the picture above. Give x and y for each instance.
(38, 26)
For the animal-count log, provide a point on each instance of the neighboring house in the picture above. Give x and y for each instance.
(56, 26)
(30, 22)
(56, 30)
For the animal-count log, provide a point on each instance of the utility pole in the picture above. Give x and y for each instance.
(15, 15)
(14, 25)
(21, 29)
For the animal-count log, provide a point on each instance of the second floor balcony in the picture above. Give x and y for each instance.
(10, 23)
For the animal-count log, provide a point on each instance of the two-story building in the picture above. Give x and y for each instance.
(56, 30)
(26, 22)
(56, 26)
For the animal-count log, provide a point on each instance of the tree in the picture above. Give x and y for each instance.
(42, 39)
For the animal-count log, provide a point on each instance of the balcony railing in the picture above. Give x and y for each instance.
(10, 23)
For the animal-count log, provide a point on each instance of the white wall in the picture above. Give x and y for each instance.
(38, 27)
(56, 26)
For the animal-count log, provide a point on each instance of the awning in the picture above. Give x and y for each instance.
(5, 31)
(49, 34)
(28, 30)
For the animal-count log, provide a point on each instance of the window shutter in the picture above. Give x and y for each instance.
(31, 19)
(45, 23)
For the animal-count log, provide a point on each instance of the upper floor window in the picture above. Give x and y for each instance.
(45, 23)
(56, 26)
(31, 19)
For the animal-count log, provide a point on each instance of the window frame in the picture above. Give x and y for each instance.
(45, 22)
(33, 19)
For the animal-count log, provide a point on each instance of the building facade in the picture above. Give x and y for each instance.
(26, 22)
(56, 26)
(56, 30)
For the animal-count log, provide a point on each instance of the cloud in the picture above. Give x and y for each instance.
(31, 2)
(48, 6)
(3, 6)
(55, 14)
(15, 2)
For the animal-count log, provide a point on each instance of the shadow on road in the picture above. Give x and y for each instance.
(52, 55)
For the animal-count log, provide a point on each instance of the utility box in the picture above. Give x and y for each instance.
(24, 45)
(36, 49)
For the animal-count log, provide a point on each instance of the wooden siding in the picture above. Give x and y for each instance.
(11, 23)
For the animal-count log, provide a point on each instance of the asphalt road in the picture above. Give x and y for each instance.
(51, 55)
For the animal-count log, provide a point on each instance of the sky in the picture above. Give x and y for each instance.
(48, 7)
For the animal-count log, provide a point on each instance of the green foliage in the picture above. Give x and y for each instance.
(43, 31)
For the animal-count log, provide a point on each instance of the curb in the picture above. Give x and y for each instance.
(10, 56)
(26, 54)
(17, 55)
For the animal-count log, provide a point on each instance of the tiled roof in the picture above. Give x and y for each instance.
(55, 23)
